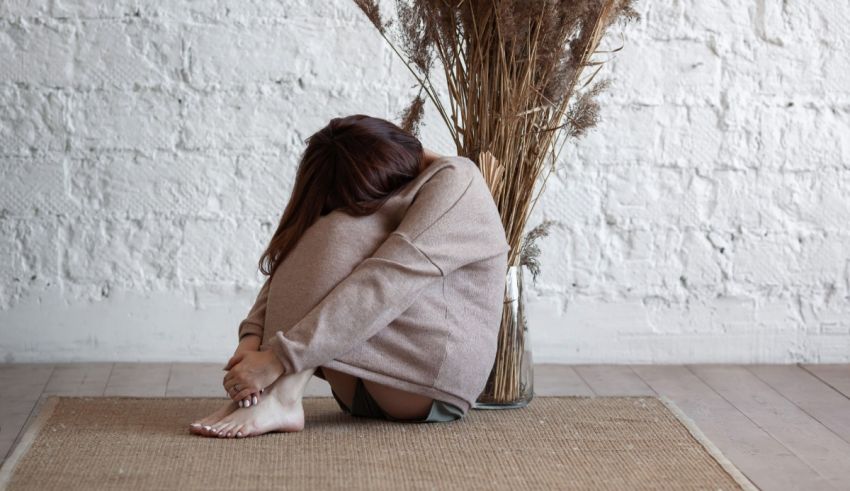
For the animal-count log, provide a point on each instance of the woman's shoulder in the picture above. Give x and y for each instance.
(455, 164)
(445, 178)
(455, 177)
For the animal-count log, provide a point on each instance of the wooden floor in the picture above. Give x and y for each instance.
(784, 426)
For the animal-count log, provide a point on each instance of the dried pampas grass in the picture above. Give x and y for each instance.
(520, 79)
(515, 74)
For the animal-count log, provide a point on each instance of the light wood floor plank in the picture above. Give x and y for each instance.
(13, 417)
(138, 379)
(78, 379)
(810, 394)
(551, 379)
(811, 441)
(613, 380)
(836, 376)
(21, 385)
(196, 380)
(763, 459)
(24, 381)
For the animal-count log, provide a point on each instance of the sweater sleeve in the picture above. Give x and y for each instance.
(387, 283)
(255, 320)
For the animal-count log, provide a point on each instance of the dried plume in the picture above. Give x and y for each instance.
(373, 13)
(584, 113)
(530, 251)
(411, 116)
(416, 34)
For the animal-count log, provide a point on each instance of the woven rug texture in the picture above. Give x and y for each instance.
(553, 443)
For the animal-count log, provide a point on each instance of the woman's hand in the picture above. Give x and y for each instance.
(249, 343)
(250, 372)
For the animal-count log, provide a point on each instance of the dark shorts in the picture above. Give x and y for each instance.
(365, 406)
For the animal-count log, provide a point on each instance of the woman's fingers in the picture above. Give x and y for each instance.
(249, 401)
(232, 381)
(244, 393)
(233, 389)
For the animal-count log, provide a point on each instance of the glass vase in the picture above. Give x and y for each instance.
(510, 384)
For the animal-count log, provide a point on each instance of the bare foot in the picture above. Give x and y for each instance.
(202, 426)
(276, 412)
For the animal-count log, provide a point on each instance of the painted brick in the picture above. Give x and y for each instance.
(147, 150)
(133, 120)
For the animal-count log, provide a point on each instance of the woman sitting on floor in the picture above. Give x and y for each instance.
(386, 278)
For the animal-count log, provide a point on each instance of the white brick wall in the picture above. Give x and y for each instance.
(147, 149)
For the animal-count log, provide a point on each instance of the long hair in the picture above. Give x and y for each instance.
(355, 163)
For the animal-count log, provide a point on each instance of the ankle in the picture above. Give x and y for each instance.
(288, 390)
(286, 398)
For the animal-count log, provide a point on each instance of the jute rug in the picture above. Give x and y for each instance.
(553, 443)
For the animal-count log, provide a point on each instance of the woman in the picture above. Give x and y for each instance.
(385, 278)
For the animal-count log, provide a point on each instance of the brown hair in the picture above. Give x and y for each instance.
(354, 163)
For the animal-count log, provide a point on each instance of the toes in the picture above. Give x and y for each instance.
(216, 428)
(222, 431)
(231, 431)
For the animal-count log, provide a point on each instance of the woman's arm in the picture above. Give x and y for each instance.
(256, 318)
(251, 335)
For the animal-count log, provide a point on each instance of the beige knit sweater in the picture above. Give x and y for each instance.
(409, 296)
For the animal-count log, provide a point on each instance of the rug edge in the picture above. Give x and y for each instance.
(709, 446)
(44, 411)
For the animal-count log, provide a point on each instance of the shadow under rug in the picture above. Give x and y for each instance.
(553, 443)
